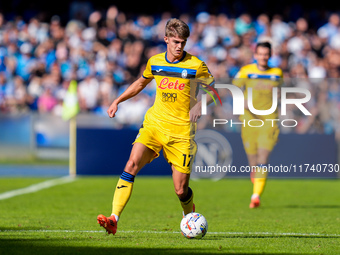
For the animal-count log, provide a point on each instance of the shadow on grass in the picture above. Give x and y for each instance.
(53, 246)
(222, 237)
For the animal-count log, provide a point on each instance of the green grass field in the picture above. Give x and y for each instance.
(296, 217)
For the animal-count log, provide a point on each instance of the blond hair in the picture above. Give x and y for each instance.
(176, 27)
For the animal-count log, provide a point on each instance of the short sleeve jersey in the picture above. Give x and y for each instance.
(170, 111)
(261, 82)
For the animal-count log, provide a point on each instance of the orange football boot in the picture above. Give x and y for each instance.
(255, 201)
(109, 223)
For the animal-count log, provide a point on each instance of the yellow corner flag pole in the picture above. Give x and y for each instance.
(73, 147)
(70, 111)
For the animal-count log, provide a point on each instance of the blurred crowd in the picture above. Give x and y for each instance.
(109, 51)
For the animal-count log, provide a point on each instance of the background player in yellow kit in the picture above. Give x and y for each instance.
(258, 142)
(169, 124)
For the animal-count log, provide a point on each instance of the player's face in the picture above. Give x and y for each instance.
(175, 46)
(262, 56)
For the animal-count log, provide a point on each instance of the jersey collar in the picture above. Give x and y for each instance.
(184, 54)
(257, 66)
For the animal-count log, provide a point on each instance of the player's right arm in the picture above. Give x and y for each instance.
(131, 91)
(204, 77)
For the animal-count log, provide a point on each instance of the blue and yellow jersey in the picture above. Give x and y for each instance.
(170, 111)
(261, 82)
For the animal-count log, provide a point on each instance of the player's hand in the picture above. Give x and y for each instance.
(112, 109)
(195, 112)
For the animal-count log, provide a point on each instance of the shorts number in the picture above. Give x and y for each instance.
(185, 156)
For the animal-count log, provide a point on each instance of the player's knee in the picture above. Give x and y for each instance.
(131, 167)
(262, 156)
(262, 160)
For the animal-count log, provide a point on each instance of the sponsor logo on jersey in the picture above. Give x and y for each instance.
(169, 97)
(165, 84)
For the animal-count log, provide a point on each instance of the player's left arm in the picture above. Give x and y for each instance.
(207, 82)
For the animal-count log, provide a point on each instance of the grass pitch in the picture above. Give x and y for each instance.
(296, 217)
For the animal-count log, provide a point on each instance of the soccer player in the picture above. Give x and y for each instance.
(258, 142)
(169, 124)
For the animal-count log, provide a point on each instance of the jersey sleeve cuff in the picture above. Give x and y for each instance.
(146, 77)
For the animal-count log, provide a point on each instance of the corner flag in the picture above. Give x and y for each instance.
(70, 111)
(70, 104)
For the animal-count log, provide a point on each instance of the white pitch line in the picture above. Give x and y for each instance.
(36, 187)
(175, 232)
